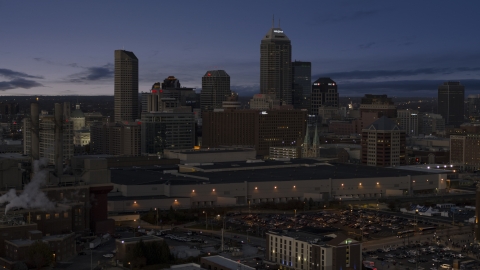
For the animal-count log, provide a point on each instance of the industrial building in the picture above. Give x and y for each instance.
(256, 181)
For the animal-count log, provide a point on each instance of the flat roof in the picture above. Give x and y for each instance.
(139, 198)
(136, 239)
(229, 264)
(238, 172)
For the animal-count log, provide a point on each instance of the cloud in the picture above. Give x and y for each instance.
(39, 59)
(336, 17)
(18, 83)
(11, 74)
(374, 74)
(93, 74)
(402, 87)
(17, 80)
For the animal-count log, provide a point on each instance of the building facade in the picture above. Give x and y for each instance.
(275, 65)
(451, 96)
(324, 94)
(306, 251)
(264, 102)
(383, 144)
(215, 89)
(408, 120)
(302, 84)
(126, 86)
(262, 129)
(116, 139)
(169, 130)
(381, 104)
(431, 123)
(47, 138)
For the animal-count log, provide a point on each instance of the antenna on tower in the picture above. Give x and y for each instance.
(273, 21)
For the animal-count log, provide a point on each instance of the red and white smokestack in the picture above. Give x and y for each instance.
(58, 139)
(35, 126)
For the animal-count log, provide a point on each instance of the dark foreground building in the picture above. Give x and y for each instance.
(262, 129)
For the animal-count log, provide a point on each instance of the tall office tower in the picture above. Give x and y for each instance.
(276, 65)
(473, 107)
(215, 89)
(302, 84)
(451, 96)
(324, 94)
(126, 86)
(409, 121)
(383, 144)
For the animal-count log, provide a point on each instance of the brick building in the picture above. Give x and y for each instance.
(263, 129)
(383, 144)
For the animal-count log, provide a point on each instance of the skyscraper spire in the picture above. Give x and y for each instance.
(306, 141)
(273, 20)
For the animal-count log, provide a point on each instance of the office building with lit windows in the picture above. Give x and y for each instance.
(302, 84)
(299, 250)
(215, 89)
(276, 65)
(324, 94)
(451, 103)
(126, 86)
(383, 144)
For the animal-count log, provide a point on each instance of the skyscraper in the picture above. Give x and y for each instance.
(215, 89)
(302, 84)
(324, 94)
(275, 65)
(126, 86)
(451, 96)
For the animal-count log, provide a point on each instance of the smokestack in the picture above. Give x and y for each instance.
(477, 215)
(34, 119)
(59, 139)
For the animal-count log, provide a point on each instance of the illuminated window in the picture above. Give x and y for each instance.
(39, 217)
(57, 215)
(47, 216)
(65, 215)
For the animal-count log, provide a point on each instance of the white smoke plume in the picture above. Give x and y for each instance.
(31, 196)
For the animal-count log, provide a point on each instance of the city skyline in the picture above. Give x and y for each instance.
(66, 48)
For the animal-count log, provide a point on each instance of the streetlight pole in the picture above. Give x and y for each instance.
(156, 223)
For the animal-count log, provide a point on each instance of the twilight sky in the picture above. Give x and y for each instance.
(401, 48)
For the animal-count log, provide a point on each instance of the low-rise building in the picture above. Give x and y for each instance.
(126, 245)
(222, 263)
(298, 250)
(63, 246)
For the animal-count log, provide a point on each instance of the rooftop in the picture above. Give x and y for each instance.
(227, 263)
(238, 172)
(136, 239)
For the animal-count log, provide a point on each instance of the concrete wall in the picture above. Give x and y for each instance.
(256, 192)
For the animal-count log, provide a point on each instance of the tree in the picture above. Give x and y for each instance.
(39, 254)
